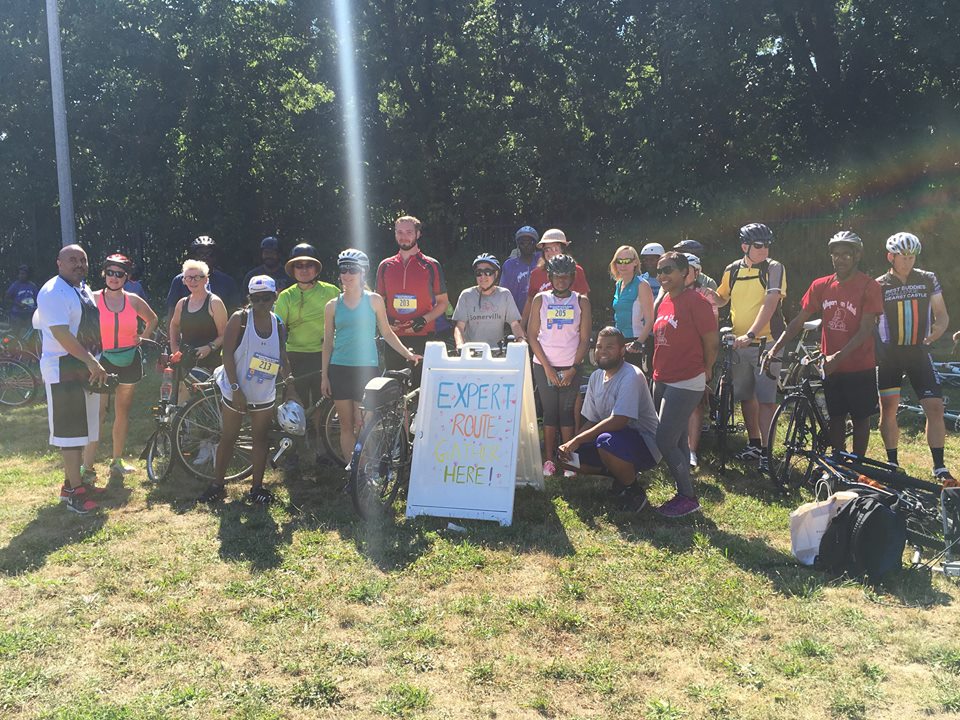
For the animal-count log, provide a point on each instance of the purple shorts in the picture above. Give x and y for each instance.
(626, 444)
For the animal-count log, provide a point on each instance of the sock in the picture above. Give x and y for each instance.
(753, 442)
(937, 457)
(892, 456)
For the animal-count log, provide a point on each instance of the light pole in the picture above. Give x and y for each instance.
(68, 232)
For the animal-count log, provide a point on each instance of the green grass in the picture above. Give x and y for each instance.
(154, 608)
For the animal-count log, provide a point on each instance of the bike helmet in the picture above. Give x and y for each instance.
(903, 243)
(270, 243)
(845, 237)
(486, 258)
(353, 257)
(689, 246)
(303, 251)
(292, 418)
(561, 265)
(692, 260)
(204, 242)
(652, 249)
(526, 231)
(756, 232)
(119, 261)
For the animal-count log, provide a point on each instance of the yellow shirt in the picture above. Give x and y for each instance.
(749, 293)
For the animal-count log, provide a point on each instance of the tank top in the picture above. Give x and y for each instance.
(117, 329)
(354, 334)
(624, 296)
(257, 361)
(559, 333)
(198, 328)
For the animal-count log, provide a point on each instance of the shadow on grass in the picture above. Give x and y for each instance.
(53, 528)
(248, 533)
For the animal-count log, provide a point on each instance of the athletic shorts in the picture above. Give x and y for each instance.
(129, 375)
(72, 414)
(915, 362)
(251, 407)
(347, 382)
(627, 445)
(749, 381)
(302, 363)
(851, 393)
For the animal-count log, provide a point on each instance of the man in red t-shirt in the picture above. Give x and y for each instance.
(849, 302)
(413, 287)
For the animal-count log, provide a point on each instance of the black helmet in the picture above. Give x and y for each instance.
(561, 265)
(756, 232)
(270, 243)
(203, 241)
(303, 251)
(689, 246)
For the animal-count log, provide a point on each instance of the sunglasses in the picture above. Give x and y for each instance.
(194, 278)
(843, 253)
(624, 261)
(262, 298)
(484, 273)
(350, 269)
(115, 273)
(666, 269)
(303, 265)
(759, 245)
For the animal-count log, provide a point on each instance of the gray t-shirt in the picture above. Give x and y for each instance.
(485, 315)
(628, 394)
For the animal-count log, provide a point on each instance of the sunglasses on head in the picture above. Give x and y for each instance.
(624, 261)
(191, 278)
(110, 272)
(262, 298)
(666, 269)
(485, 272)
(350, 269)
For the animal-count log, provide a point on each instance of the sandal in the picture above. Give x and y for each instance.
(213, 493)
(260, 495)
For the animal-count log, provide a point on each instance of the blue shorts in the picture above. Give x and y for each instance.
(626, 444)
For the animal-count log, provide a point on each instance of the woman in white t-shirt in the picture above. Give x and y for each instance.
(484, 310)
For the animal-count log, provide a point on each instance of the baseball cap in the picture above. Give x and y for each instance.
(261, 284)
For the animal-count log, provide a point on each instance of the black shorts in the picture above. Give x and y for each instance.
(129, 375)
(915, 362)
(302, 363)
(851, 393)
(347, 382)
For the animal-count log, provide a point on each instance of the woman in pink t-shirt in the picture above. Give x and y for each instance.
(685, 347)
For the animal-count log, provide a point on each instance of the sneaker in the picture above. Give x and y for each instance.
(88, 475)
(118, 469)
(615, 489)
(213, 493)
(679, 506)
(944, 477)
(77, 500)
(260, 495)
(88, 487)
(632, 498)
(549, 468)
(694, 460)
(764, 464)
(569, 473)
(750, 452)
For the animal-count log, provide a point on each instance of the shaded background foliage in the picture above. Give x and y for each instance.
(618, 121)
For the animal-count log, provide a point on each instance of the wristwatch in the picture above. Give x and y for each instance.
(752, 335)
(234, 386)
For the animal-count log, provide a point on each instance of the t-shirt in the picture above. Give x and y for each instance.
(842, 306)
(60, 303)
(485, 315)
(748, 293)
(651, 279)
(540, 281)
(515, 277)
(302, 313)
(906, 315)
(626, 394)
(678, 349)
(279, 275)
(219, 283)
(410, 290)
(136, 287)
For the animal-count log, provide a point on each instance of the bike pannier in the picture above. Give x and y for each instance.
(380, 392)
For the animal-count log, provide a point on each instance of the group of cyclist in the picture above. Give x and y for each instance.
(664, 326)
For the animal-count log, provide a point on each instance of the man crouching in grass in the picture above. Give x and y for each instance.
(619, 437)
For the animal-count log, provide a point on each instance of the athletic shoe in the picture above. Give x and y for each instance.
(569, 473)
(694, 460)
(750, 452)
(118, 468)
(632, 498)
(88, 475)
(679, 506)
(549, 468)
(213, 493)
(77, 500)
(944, 477)
(260, 496)
(615, 489)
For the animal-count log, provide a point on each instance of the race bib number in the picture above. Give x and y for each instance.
(405, 304)
(263, 368)
(559, 315)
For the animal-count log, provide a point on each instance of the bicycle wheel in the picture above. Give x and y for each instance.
(793, 439)
(160, 455)
(196, 435)
(330, 432)
(724, 419)
(379, 467)
(18, 384)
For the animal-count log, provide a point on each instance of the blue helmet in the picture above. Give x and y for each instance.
(486, 258)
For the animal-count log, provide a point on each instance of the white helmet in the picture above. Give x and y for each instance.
(292, 418)
(693, 261)
(652, 249)
(903, 243)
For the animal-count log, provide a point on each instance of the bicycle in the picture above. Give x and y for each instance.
(19, 385)
(723, 412)
(380, 466)
(910, 408)
(804, 349)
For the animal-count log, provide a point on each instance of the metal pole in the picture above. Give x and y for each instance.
(68, 233)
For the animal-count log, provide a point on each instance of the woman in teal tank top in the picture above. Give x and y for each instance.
(350, 359)
(632, 301)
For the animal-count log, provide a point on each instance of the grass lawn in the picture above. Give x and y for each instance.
(156, 608)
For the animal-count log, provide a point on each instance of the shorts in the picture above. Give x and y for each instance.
(851, 393)
(749, 380)
(915, 362)
(302, 363)
(129, 375)
(558, 402)
(251, 407)
(627, 445)
(72, 414)
(347, 382)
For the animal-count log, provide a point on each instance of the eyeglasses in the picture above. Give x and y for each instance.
(194, 278)
(115, 273)
(843, 253)
(624, 261)
(350, 269)
(666, 269)
(484, 272)
(262, 298)
(759, 245)
(303, 265)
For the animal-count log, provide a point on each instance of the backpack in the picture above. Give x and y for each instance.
(777, 323)
(866, 538)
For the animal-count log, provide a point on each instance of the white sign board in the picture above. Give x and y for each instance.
(476, 434)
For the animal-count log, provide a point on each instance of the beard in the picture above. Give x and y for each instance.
(609, 363)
